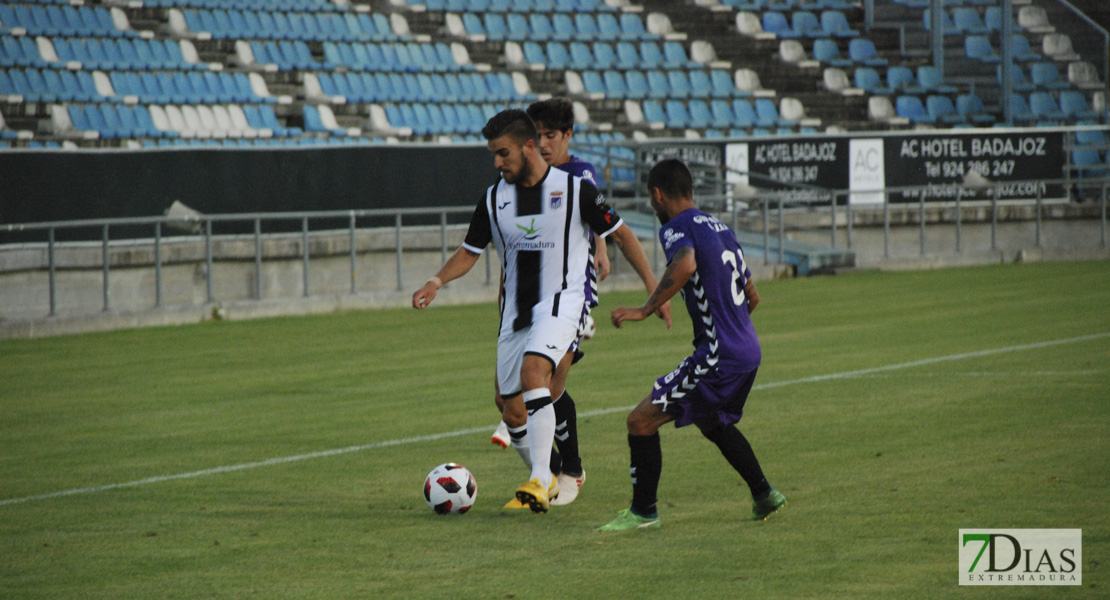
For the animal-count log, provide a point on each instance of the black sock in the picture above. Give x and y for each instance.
(566, 434)
(647, 464)
(738, 452)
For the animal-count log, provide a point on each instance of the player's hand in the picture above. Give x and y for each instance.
(625, 313)
(664, 313)
(422, 297)
(603, 266)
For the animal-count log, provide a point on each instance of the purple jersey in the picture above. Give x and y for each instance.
(585, 169)
(582, 168)
(724, 337)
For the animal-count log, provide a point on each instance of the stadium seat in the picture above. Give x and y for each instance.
(966, 20)
(834, 23)
(901, 80)
(1021, 50)
(826, 51)
(867, 78)
(776, 23)
(1046, 76)
(979, 48)
(1074, 106)
(1044, 107)
(942, 109)
(863, 51)
(931, 79)
(911, 107)
(970, 107)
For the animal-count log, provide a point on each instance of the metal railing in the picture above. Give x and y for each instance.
(204, 224)
(772, 215)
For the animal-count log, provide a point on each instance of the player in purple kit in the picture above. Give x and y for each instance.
(709, 388)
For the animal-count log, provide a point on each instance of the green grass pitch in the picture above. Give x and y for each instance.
(284, 458)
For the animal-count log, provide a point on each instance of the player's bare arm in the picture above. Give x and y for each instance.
(752, 295)
(634, 252)
(601, 258)
(679, 271)
(458, 265)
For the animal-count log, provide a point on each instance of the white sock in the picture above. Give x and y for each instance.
(518, 437)
(541, 434)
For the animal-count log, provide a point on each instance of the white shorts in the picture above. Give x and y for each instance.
(548, 336)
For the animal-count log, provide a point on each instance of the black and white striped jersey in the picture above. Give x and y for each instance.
(542, 235)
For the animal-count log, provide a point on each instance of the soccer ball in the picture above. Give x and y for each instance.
(589, 328)
(450, 489)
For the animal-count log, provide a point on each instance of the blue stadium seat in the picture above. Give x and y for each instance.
(901, 79)
(979, 48)
(605, 57)
(558, 57)
(653, 111)
(930, 78)
(722, 85)
(721, 113)
(966, 20)
(776, 23)
(1044, 107)
(564, 26)
(827, 52)
(970, 106)
(863, 51)
(1020, 49)
(743, 113)
(911, 107)
(700, 115)
(615, 84)
(942, 109)
(679, 83)
(659, 86)
(651, 56)
(700, 85)
(637, 84)
(767, 114)
(581, 58)
(628, 57)
(806, 24)
(632, 27)
(834, 23)
(1045, 76)
(677, 116)
(868, 79)
(675, 57)
(1074, 106)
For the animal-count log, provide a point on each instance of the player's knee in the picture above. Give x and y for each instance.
(535, 373)
(638, 424)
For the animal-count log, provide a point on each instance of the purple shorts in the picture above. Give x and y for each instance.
(694, 393)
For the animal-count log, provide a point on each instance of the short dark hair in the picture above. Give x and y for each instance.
(554, 113)
(672, 177)
(514, 122)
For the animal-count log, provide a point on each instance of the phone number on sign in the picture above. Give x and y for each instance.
(953, 168)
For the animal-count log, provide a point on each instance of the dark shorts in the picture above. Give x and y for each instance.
(694, 393)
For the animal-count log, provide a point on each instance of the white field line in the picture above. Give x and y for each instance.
(477, 430)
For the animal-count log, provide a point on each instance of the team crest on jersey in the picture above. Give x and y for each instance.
(670, 236)
(556, 199)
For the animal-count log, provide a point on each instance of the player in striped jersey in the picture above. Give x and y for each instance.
(554, 119)
(539, 220)
(710, 387)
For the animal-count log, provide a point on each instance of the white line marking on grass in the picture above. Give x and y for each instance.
(476, 430)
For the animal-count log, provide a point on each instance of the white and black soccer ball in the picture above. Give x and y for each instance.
(450, 489)
(589, 328)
